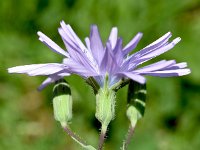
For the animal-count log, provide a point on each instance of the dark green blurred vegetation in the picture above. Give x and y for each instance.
(172, 118)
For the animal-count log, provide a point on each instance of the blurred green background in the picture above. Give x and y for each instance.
(172, 118)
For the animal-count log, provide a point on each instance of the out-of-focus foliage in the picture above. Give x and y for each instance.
(172, 118)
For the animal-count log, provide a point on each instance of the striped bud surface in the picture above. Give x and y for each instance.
(136, 101)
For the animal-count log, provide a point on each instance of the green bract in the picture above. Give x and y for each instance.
(105, 106)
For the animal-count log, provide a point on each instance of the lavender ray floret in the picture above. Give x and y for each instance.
(156, 66)
(96, 45)
(52, 45)
(153, 46)
(70, 31)
(132, 44)
(169, 73)
(38, 69)
(49, 80)
(113, 37)
(134, 76)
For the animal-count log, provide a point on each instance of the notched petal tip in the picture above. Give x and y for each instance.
(64, 25)
(51, 44)
(168, 34)
(62, 22)
(40, 34)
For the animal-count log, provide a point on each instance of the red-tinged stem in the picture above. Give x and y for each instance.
(102, 137)
(73, 135)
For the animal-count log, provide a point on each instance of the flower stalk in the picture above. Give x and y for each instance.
(102, 136)
(128, 137)
(77, 139)
(135, 108)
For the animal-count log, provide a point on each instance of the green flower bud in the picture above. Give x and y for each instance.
(136, 101)
(62, 102)
(133, 115)
(105, 106)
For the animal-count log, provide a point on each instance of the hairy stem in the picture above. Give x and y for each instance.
(128, 138)
(77, 139)
(102, 137)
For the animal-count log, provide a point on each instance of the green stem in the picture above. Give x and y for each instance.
(102, 137)
(78, 139)
(128, 138)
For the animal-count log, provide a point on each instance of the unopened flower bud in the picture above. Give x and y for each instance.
(136, 101)
(62, 102)
(105, 106)
(133, 115)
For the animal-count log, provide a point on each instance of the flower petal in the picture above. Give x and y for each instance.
(49, 80)
(52, 45)
(136, 77)
(156, 52)
(162, 49)
(108, 63)
(67, 40)
(153, 46)
(96, 45)
(132, 44)
(38, 69)
(177, 66)
(79, 69)
(156, 66)
(159, 41)
(117, 52)
(113, 37)
(87, 41)
(169, 73)
(72, 34)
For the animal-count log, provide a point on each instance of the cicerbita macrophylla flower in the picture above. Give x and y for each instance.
(112, 59)
(105, 67)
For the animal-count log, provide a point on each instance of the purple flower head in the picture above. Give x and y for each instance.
(97, 60)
